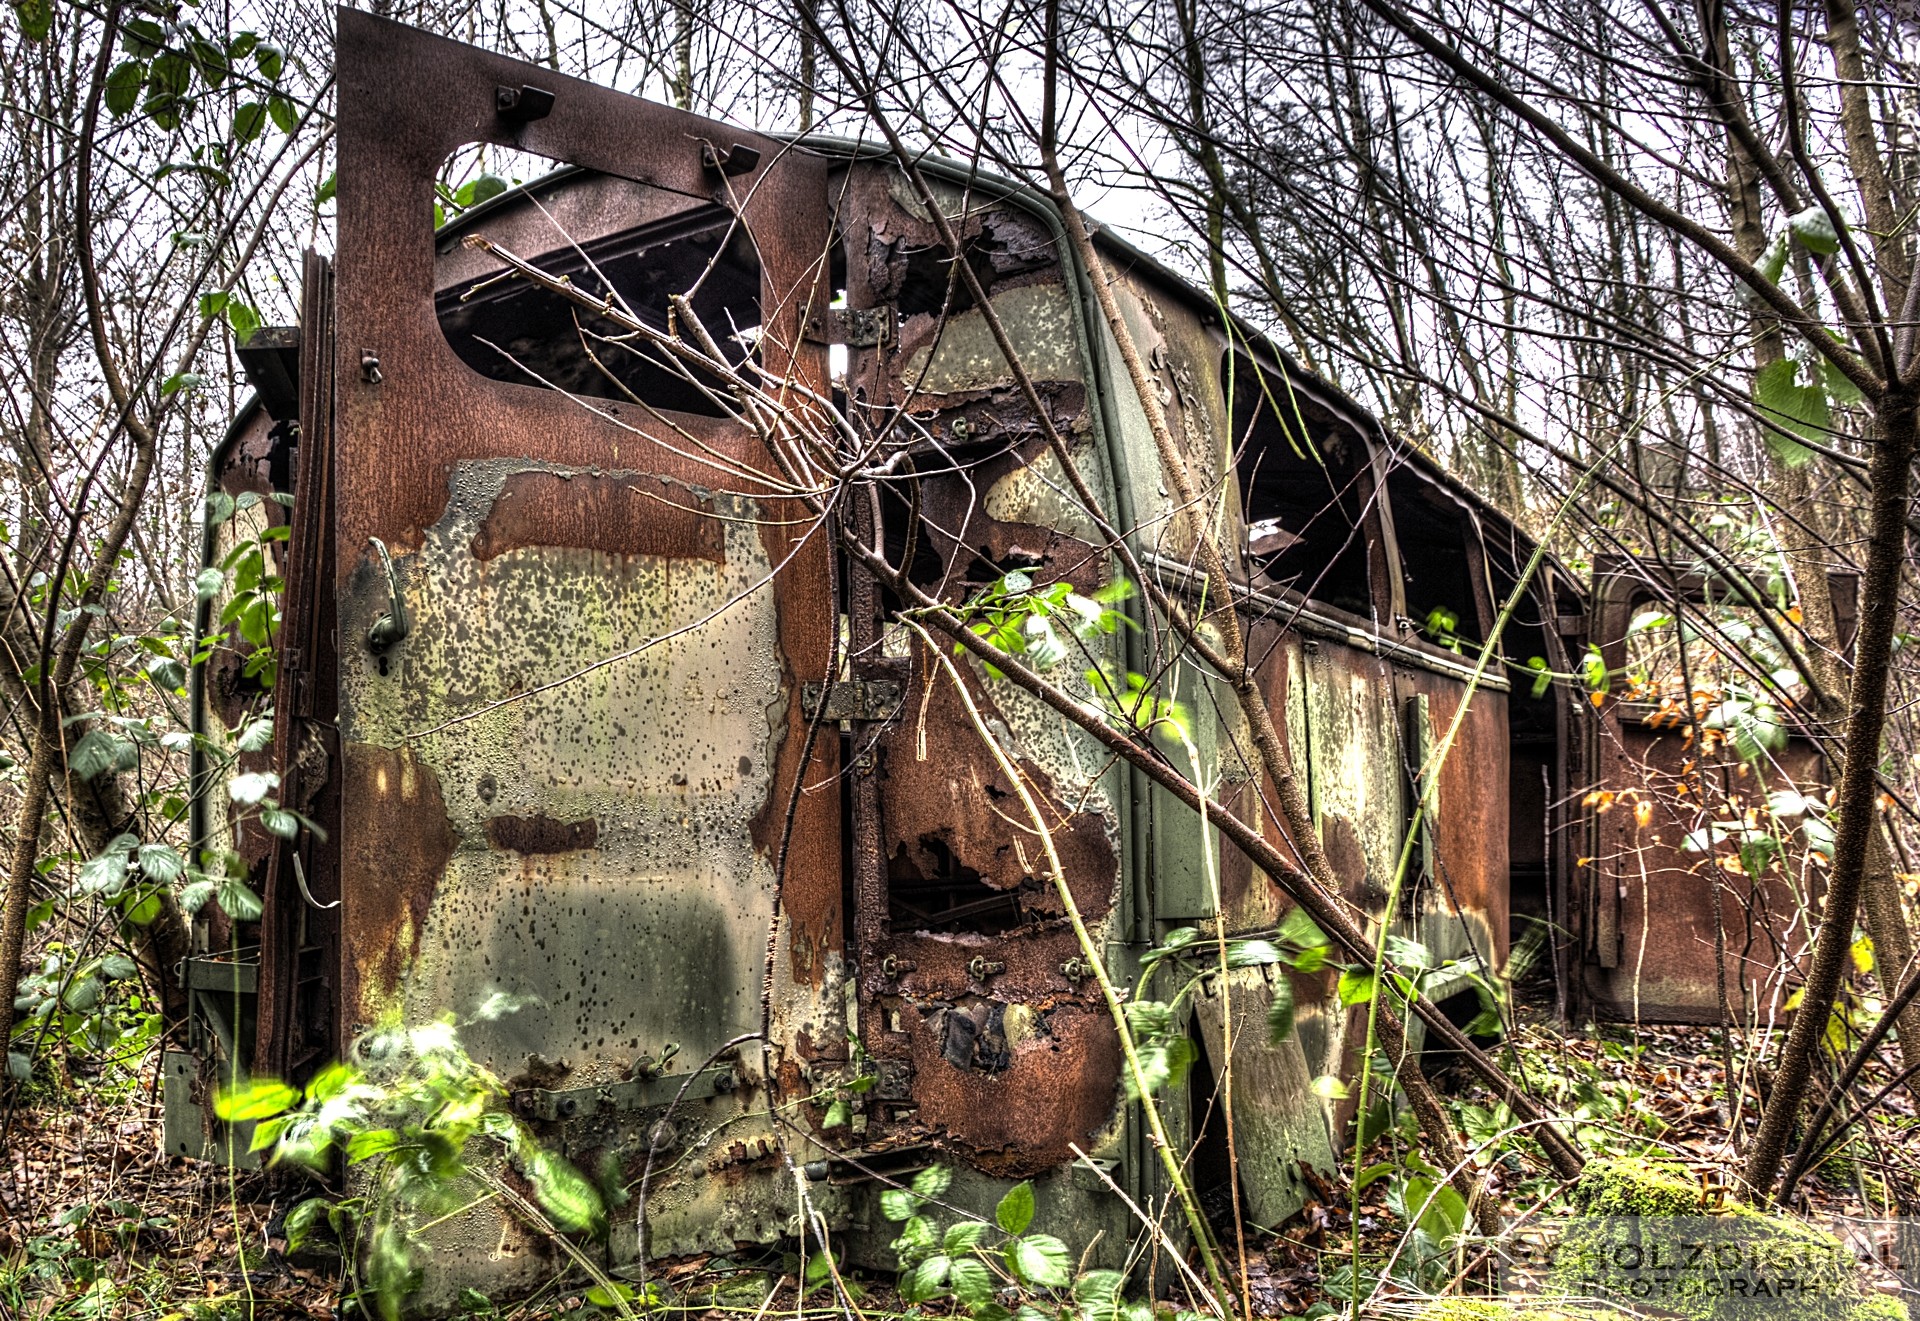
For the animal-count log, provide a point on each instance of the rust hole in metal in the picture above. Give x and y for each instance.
(541, 834)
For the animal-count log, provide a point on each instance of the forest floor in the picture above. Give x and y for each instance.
(96, 1222)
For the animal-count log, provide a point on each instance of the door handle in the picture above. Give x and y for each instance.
(396, 623)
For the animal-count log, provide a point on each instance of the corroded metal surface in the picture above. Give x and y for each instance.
(1647, 904)
(567, 786)
(968, 981)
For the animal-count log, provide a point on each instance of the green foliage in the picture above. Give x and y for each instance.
(975, 1263)
(1790, 409)
(1186, 958)
(253, 589)
(410, 1112)
(173, 65)
(1044, 625)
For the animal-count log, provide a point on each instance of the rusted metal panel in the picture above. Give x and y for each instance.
(1652, 933)
(569, 783)
(973, 993)
(1459, 906)
(1653, 911)
(299, 922)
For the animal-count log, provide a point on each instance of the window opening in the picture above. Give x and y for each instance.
(1727, 649)
(1436, 566)
(1302, 489)
(510, 330)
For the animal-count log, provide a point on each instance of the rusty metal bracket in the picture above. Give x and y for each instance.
(856, 327)
(858, 699)
(523, 104)
(737, 158)
(638, 1094)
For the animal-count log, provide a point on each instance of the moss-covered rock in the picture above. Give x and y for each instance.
(1878, 1307)
(1502, 1309)
(1613, 1186)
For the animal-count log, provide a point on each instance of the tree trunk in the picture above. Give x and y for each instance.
(1889, 478)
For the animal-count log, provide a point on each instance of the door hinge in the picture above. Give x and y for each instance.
(857, 699)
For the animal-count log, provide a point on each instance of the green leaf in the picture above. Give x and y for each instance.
(1790, 409)
(963, 1236)
(970, 1281)
(301, 1221)
(839, 1115)
(1251, 953)
(207, 583)
(1015, 1211)
(1356, 986)
(167, 674)
(612, 1294)
(897, 1204)
(36, 18)
(123, 87)
(1163, 1064)
(99, 752)
(927, 1280)
(270, 60)
(105, 874)
(161, 862)
(142, 38)
(1280, 1012)
(1097, 1295)
(933, 1181)
(369, 1143)
(196, 895)
(238, 902)
(1041, 1260)
(145, 912)
(251, 787)
(1328, 1088)
(1774, 264)
(19, 1066)
(256, 1098)
(1542, 676)
(249, 121)
(485, 187)
(570, 1201)
(1813, 228)
(1839, 388)
(256, 735)
(243, 319)
(285, 117)
(329, 188)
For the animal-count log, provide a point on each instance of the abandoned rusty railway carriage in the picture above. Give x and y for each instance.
(554, 738)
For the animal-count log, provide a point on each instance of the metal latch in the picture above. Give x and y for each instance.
(638, 1094)
(393, 626)
(856, 327)
(858, 699)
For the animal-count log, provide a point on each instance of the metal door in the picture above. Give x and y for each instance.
(1673, 931)
(566, 784)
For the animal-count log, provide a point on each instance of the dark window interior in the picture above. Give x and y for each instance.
(1432, 529)
(1535, 773)
(1302, 481)
(511, 331)
(931, 890)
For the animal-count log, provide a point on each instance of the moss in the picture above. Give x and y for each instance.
(1878, 1307)
(1625, 1187)
(1500, 1309)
